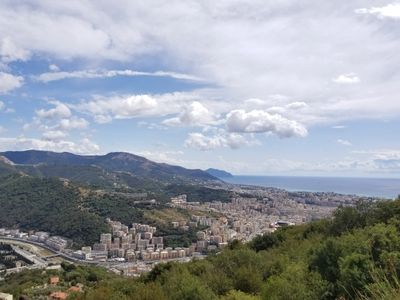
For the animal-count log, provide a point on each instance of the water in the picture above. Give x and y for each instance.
(376, 187)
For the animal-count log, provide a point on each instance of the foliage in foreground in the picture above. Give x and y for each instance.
(356, 255)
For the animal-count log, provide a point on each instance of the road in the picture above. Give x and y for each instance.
(43, 246)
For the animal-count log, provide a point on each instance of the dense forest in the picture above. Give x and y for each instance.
(354, 255)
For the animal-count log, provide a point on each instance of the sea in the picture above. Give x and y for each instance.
(374, 187)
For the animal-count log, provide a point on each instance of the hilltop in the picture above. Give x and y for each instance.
(219, 173)
(117, 169)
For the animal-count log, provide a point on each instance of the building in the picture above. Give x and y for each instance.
(54, 280)
(4, 296)
(57, 243)
(58, 296)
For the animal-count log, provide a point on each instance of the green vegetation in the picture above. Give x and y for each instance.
(80, 213)
(198, 193)
(50, 205)
(356, 255)
(34, 284)
(103, 168)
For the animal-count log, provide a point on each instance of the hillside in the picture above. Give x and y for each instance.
(48, 205)
(103, 167)
(219, 173)
(356, 255)
(78, 212)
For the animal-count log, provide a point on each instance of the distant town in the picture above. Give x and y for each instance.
(131, 249)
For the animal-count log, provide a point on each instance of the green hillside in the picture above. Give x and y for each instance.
(79, 212)
(356, 255)
(103, 167)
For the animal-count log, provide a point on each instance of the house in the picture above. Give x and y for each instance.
(4, 296)
(74, 289)
(58, 296)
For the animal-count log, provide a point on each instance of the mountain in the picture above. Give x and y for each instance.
(219, 173)
(6, 166)
(109, 168)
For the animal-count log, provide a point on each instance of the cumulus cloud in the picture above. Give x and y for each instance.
(9, 82)
(344, 142)
(104, 109)
(388, 11)
(220, 140)
(59, 111)
(90, 74)
(52, 135)
(121, 107)
(349, 78)
(84, 146)
(9, 52)
(242, 48)
(53, 68)
(73, 123)
(193, 114)
(257, 121)
(162, 156)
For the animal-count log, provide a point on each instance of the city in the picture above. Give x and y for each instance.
(135, 249)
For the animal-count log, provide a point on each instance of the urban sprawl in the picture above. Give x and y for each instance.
(133, 249)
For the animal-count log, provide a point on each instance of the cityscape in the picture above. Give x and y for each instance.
(135, 248)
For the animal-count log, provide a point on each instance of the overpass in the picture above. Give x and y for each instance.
(56, 253)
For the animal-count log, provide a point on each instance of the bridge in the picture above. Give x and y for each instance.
(54, 252)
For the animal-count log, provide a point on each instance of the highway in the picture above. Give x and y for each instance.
(63, 255)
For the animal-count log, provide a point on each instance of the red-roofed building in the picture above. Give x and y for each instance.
(58, 296)
(54, 280)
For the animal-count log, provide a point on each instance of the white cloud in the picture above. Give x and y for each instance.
(388, 11)
(195, 114)
(9, 82)
(339, 127)
(59, 111)
(54, 135)
(221, 139)
(162, 156)
(257, 121)
(101, 119)
(1, 105)
(120, 107)
(385, 154)
(73, 123)
(298, 105)
(104, 109)
(84, 146)
(242, 48)
(349, 78)
(344, 142)
(90, 74)
(9, 52)
(53, 68)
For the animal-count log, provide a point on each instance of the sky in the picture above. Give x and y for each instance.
(307, 88)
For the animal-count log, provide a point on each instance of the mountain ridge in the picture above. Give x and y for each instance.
(114, 162)
(218, 173)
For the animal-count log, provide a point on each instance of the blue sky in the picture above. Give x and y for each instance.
(286, 88)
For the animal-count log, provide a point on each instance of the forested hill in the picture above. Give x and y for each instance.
(79, 212)
(49, 205)
(106, 166)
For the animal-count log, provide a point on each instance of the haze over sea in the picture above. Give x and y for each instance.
(377, 187)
